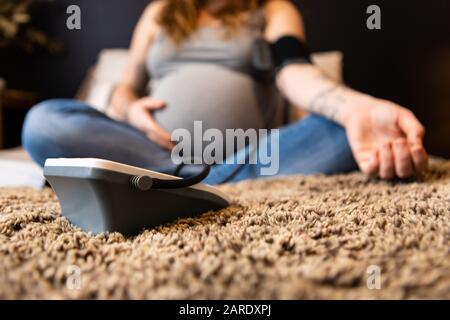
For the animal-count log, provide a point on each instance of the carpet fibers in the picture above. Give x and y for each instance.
(294, 238)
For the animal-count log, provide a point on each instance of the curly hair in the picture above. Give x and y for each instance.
(179, 18)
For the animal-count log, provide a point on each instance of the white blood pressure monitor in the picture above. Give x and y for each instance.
(104, 196)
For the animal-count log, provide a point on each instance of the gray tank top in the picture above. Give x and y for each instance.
(208, 77)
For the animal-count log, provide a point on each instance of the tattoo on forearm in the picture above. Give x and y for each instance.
(328, 102)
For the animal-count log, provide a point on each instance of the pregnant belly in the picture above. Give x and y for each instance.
(219, 97)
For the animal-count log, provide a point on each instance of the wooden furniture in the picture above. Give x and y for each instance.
(13, 100)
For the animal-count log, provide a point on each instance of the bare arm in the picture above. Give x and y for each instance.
(386, 139)
(133, 80)
(305, 85)
(126, 102)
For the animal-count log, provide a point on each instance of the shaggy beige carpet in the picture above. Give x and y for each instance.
(295, 238)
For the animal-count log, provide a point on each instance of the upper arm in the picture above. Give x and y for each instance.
(282, 19)
(135, 73)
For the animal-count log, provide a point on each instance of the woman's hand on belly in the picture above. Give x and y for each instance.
(140, 116)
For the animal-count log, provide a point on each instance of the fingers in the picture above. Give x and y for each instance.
(387, 166)
(411, 127)
(159, 135)
(414, 132)
(402, 159)
(146, 123)
(368, 162)
(419, 157)
(152, 103)
(160, 141)
(392, 160)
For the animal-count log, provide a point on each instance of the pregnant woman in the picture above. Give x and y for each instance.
(192, 60)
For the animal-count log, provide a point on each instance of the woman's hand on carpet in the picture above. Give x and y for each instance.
(140, 117)
(386, 139)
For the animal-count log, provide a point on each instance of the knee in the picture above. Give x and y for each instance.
(38, 131)
(36, 120)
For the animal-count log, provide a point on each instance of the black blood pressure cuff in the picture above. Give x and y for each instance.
(289, 50)
(269, 58)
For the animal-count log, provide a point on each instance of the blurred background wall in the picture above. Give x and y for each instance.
(408, 61)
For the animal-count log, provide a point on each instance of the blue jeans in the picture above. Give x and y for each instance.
(72, 129)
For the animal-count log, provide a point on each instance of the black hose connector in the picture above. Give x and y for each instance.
(141, 183)
(145, 183)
